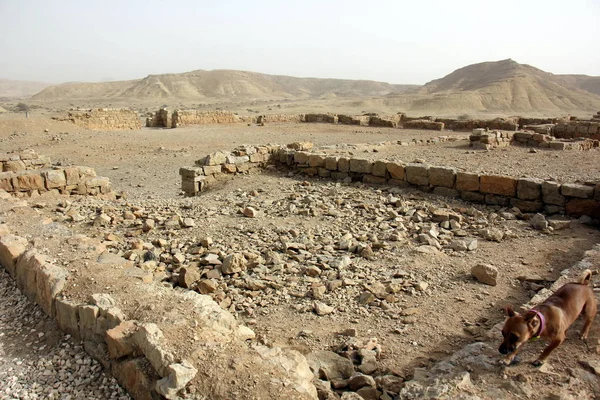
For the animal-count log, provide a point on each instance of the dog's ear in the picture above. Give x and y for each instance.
(509, 310)
(532, 322)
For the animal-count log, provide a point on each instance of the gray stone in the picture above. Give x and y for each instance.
(529, 188)
(539, 222)
(551, 193)
(359, 380)
(329, 365)
(576, 190)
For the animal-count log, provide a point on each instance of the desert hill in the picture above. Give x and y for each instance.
(504, 87)
(584, 82)
(221, 84)
(18, 89)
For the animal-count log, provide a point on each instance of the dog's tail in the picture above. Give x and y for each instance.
(585, 278)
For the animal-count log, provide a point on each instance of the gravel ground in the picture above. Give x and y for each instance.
(38, 362)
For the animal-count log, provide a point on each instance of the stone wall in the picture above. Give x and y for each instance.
(22, 161)
(195, 117)
(527, 194)
(576, 129)
(106, 119)
(506, 124)
(485, 140)
(424, 124)
(138, 354)
(67, 180)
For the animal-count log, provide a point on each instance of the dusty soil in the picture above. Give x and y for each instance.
(414, 328)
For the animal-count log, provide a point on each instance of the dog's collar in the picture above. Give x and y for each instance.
(542, 324)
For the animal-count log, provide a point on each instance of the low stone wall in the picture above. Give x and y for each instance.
(505, 124)
(485, 140)
(138, 354)
(321, 118)
(424, 124)
(528, 194)
(194, 117)
(106, 119)
(22, 161)
(550, 142)
(67, 180)
(576, 129)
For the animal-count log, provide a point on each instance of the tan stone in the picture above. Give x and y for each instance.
(50, 281)
(442, 176)
(119, 339)
(133, 376)
(500, 185)
(361, 166)
(316, 160)
(27, 182)
(379, 168)
(467, 182)
(11, 247)
(67, 317)
(396, 170)
(55, 179)
(149, 339)
(417, 174)
(331, 163)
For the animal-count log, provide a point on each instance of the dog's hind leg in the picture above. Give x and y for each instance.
(588, 312)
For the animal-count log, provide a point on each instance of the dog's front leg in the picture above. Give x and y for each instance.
(549, 349)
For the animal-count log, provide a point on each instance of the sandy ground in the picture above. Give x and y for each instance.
(453, 311)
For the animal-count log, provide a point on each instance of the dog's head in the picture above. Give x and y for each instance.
(517, 330)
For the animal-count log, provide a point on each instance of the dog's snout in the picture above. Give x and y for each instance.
(503, 349)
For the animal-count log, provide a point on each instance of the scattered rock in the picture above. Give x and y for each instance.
(485, 273)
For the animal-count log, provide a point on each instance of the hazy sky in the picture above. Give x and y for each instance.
(388, 40)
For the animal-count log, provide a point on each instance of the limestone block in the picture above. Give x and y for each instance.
(316, 160)
(344, 165)
(529, 188)
(50, 281)
(6, 181)
(576, 190)
(301, 157)
(11, 248)
(119, 339)
(55, 179)
(67, 317)
(527, 206)
(577, 207)
(212, 169)
(149, 339)
(379, 168)
(215, 158)
(28, 181)
(442, 176)
(375, 180)
(26, 270)
(500, 185)
(72, 176)
(551, 193)
(178, 375)
(331, 163)
(396, 170)
(474, 197)
(134, 376)
(361, 166)
(88, 315)
(417, 174)
(13, 166)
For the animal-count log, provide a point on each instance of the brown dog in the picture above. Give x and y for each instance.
(550, 320)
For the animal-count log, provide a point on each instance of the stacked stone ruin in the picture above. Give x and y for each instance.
(27, 174)
(106, 119)
(527, 194)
